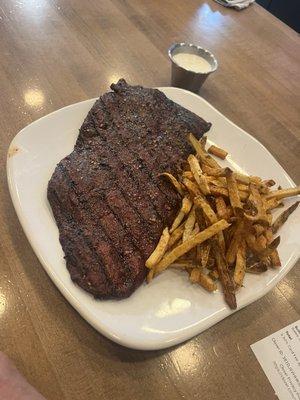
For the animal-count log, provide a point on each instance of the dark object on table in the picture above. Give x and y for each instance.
(286, 10)
(109, 203)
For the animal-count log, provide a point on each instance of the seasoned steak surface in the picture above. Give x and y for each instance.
(109, 203)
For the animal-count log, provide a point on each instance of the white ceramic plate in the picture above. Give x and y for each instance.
(170, 310)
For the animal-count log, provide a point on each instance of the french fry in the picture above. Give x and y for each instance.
(195, 230)
(257, 201)
(174, 182)
(268, 235)
(275, 259)
(203, 141)
(203, 156)
(185, 209)
(203, 251)
(259, 249)
(233, 192)
(215, 172)
(221, 172)
(197, 173)
(235, 242)
(189, 244)
(261, 241)
(240, 265)
(283, 217)
(204, 280)
(272, 203)
(176, 235)
(214, 274)
(218, 152)
(225, 277)
(188, 174)
(182, 265)
(259, 229)
(160, 249)
(282, 193)
(208, 212)
(189, 225)
(269, 182)
(242, 178)
(257, 268)
(221, 207)
(150, 275)
(191, 187)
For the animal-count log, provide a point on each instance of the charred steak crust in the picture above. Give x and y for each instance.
(109, 203)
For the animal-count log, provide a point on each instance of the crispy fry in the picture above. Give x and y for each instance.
(203, 141)
(259, 249)
(221, 172)
(191, 187)
(216, 172)
(240, 265)
(214, 274)
(204, 157)
(189, 244)
(182, 265)
(235, 242)
(185, 209)
(150, 275)
(233, 192)
(225, 277)
(204, 280)
(283, 217)
(282, 193)
(196, 229)
(160, 249)
(218, 152)
(188, 174)
(242, 178)
(174, 182)
(221, 207)
(197, 173)
(189, 225)
(257, 268)
(269, 235)
(272, 203)
(269, 182)
(203, 251)
(176, 235)
(258, 204)
(261, 241)
(275, 259)
(208, 212)
(259, 229)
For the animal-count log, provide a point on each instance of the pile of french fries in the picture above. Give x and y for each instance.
(224, 227)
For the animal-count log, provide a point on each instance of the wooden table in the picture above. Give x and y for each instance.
(58, 52)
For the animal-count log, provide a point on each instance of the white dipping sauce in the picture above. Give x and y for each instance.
(192, 62)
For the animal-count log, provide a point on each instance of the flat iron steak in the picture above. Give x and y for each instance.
(109, 203)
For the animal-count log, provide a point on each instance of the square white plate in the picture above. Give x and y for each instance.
(170, 310)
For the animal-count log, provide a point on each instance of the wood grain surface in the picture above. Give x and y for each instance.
(57, 52)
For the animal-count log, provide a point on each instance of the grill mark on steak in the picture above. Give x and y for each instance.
(137, 181)
(104, 207)
(73, 251)
(106, 196)
(120, 143)
(137, 223)
(107, 234)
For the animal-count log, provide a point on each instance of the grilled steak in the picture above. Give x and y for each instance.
(109, 203)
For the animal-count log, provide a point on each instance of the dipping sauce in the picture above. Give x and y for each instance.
(192, 62)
